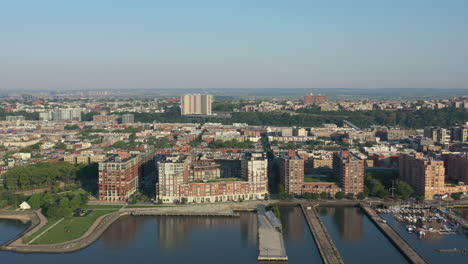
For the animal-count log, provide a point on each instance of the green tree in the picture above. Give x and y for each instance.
(36, 201)
(362, 195)
(339, 195)
(403, 189)
(456, 196)
(324, 195)
(60, 145)
(383, 194)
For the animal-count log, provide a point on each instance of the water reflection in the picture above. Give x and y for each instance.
(298, 240)
(292, 224)
(346, 226)
(174, 231)
(122, 233)
(348, 223)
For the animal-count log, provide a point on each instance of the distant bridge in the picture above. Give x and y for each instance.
(349, 124)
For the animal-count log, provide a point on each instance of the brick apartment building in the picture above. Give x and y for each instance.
(457, 167)
(118, 177)
(198, 181)
(315, 99)
(292, 177)
(350, 171)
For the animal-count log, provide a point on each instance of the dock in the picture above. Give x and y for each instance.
(407, 251)
(270, 239)
(327, 249)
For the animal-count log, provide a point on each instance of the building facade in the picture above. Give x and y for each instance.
(196, 104)
(315, 99)
(425, 175)
(183, 179)
(350, 171)
(118, 177)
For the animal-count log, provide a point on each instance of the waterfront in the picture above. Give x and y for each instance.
(427, 246)
(357, 238)
(180, 239)
(174, 239)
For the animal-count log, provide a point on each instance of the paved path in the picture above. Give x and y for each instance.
(394, 237)
(327, 249)
(43, 232)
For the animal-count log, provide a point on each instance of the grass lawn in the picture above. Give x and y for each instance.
(319, 179)
(49, 223)
(310, 179)
(70, 228)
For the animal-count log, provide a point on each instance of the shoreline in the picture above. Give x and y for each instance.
(105, 221)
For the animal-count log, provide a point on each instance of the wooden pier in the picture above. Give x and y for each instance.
(270, 240)
(393, 236)
(327, 249)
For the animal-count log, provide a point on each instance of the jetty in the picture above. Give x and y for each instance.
(270, 238)
(327, 249)
(407, 251)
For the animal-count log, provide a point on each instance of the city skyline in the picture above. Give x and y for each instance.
(211, 44)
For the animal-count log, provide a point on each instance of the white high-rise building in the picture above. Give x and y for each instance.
(196, 104)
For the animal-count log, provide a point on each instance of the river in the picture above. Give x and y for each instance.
(208, 240)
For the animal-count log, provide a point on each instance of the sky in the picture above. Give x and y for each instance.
(103, 44)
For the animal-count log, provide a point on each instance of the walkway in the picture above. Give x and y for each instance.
(328, 250)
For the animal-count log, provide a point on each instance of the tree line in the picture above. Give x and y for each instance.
(310, 117)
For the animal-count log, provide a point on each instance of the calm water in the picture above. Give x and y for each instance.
(300, 244)
(177, 240)
(357, 238)
(427, 246)
(10, 228)
(225, 240)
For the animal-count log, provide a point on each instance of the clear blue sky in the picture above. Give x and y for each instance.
(224, 44)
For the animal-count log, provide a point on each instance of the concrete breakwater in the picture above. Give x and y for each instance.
(327, 249)
(270, 240)
(393, 236)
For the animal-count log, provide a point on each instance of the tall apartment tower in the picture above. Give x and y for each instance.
(292, 173)
(196, 104)
(254, 170)
(457, 167)
(437, 134)
(118, 177)
(425, 175)
(128, 119)
(459, 134)
(350, 171)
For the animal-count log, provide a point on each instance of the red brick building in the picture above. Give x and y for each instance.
(118, 177)
(350, 171)
(315, 99)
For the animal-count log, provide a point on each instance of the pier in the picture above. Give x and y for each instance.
(327, 249)
(394, 237)
(270, 239)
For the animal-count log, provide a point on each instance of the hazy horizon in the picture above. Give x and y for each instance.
(362, 44)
